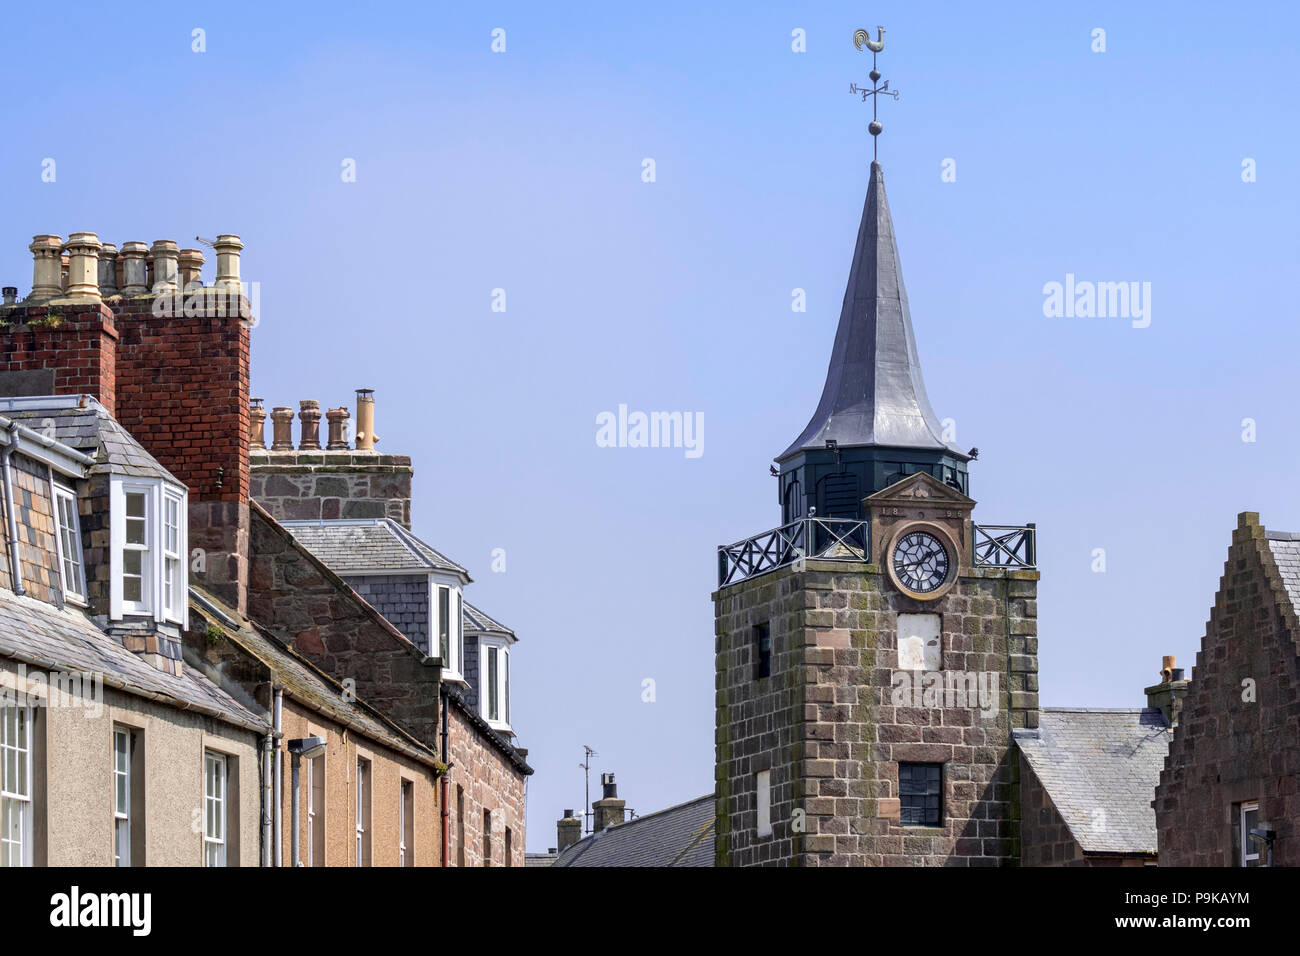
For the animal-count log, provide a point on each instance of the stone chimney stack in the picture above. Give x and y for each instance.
(568, 831)
(1167, 696)
(609, 808)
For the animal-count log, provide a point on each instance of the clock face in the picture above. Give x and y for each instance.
(920, 562)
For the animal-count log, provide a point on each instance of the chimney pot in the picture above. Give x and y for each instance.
(256, 425)
(47, 282)
(228, 249)
(366, 436)
(190, 263)
(83, 267)
(108, 267)
(282, 428)
(165, 254)
(135, 279)
(338, 418)
(310, 418)
(11, 294)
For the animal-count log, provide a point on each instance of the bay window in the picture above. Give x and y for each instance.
(148, 540)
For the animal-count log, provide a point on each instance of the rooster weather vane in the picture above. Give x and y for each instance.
(862, 38)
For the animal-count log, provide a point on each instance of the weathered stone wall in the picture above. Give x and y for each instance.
(1231, 746)
(491, 782)
(305, 604)
(1045, 838)
(825, 725)
(310, 485)
(402, 598)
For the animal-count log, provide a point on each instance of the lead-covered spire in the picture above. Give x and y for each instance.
(874, 394)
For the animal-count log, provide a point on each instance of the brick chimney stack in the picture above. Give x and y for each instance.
(568, 831)
(1167, 696)
(609, 808)
(173, 369)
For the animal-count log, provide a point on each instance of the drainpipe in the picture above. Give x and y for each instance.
(308, 747)
(279, 779)
(268, 796)
(11, 519)
(446, 790)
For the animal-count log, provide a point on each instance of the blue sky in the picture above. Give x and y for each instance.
(522, 171)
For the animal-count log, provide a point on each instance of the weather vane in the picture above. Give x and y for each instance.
(862, 38)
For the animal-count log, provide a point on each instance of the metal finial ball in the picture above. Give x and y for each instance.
(875, 75)
(874, 128)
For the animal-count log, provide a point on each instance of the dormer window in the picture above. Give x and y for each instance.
(494, 682)
(148, 532)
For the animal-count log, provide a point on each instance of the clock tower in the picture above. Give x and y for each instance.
(874, 653)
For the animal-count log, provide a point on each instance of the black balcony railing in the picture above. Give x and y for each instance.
(1005, 546)
(843, 539)
(827, 539)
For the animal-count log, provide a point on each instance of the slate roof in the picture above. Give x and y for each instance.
(1285, 546)
(349, 545)
(306, 683)
(540, 859)
(89, 428)
(874, 394)
(679, 836)
(476, 620)
(1100, 768)
(50, 639)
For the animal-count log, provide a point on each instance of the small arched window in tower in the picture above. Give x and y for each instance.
(792, 508)
(838, 496)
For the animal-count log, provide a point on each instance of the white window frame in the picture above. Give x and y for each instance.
(312, 809)
(67, 535)
(173, 555)
(153, 604)
(121, 796)
(1249, 848)
(215, 815)
(403, 787)
(486, 645)
(16, 756)
(454, 664)
(365, 769)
